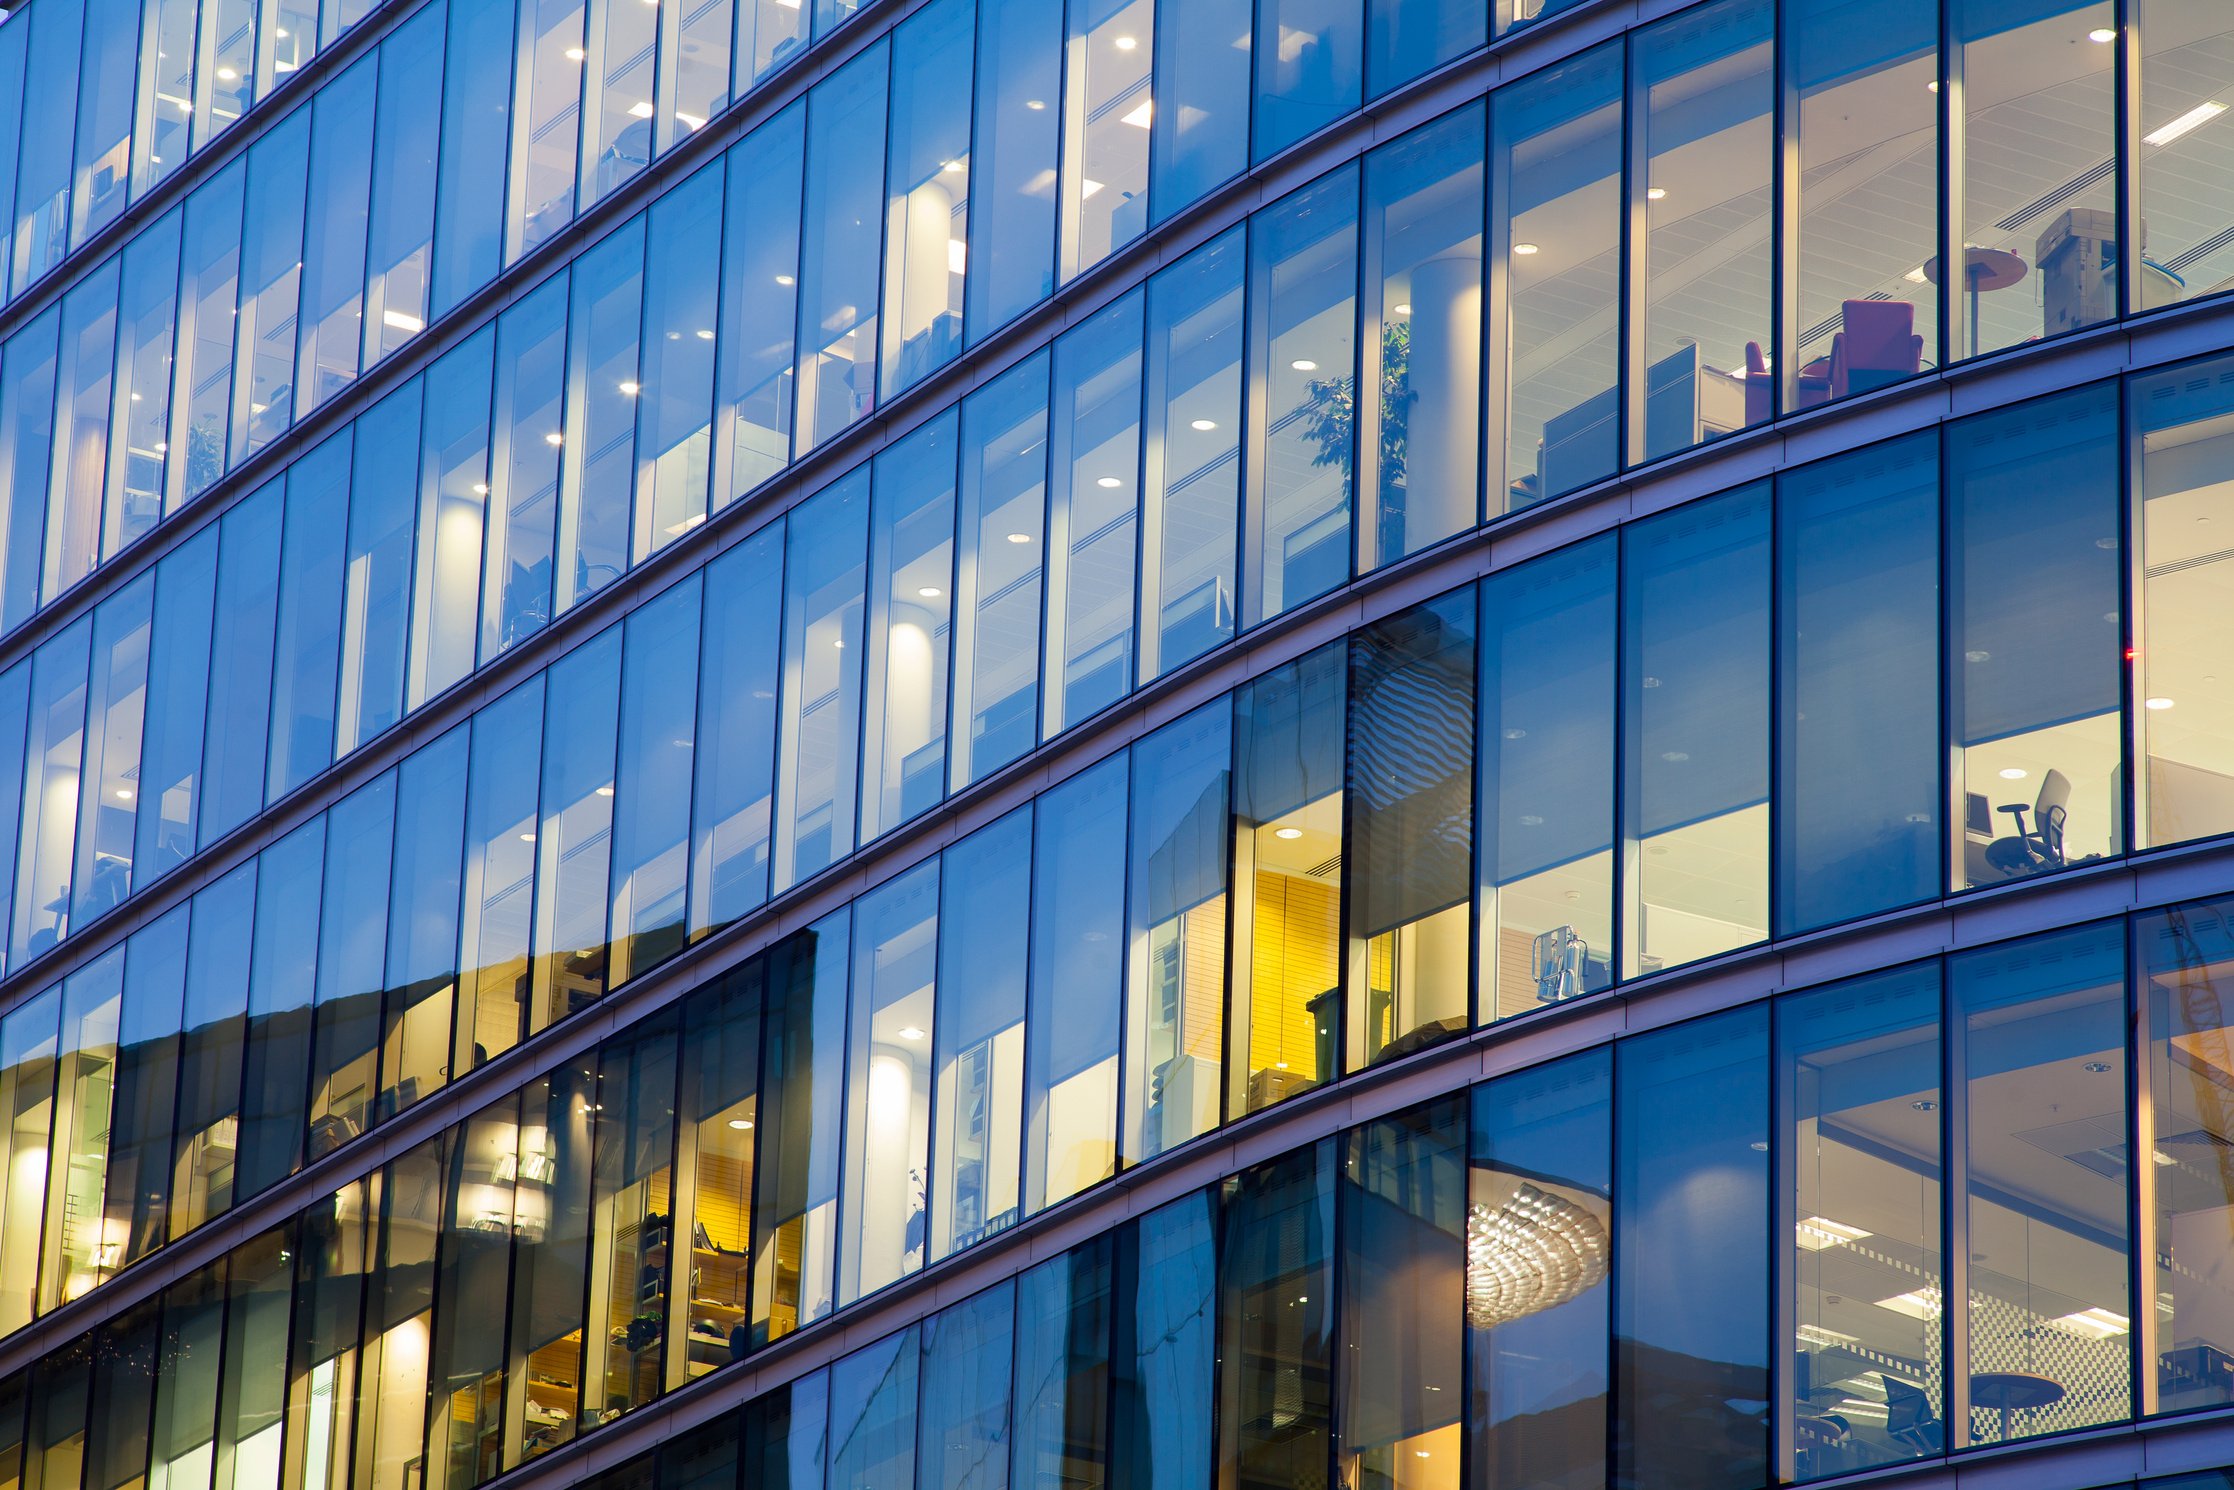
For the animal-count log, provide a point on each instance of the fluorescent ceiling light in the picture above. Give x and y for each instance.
(2095, 1324)
(957, 256)
(400, 321)
(1922, 1303)
(1818, 1233)
(641, 109)
(1140, 115)
(2201, 114)
(1087, 187)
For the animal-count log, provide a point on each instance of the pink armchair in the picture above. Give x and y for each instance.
(1879, 345)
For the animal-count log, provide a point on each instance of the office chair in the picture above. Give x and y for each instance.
(2039, 847)
(1909, 1419)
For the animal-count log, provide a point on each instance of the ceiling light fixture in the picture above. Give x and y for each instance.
(1126, 43)
(1655, 193)
(2102, 35)
(1020, 538)
(1525, 249)
(2201, 114)
(1287, 833)
(2012, 773)
(1205, 425)
(930, 592)
(910, 1032)
(1304, 365)
(2157, 703)
(1108, 483)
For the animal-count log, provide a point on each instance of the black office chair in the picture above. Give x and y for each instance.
(2031, 850)
(1909, 1418)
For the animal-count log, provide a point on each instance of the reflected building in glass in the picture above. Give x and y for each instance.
(1116, 744)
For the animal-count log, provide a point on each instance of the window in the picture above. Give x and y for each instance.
(1060, 1418)
(1078, 969)
(1695, 759)
(818, 774)
(963, 1429)
(147, 321)
(526, 436)
(423, 922)
(1176, 933)
(376, 594)
(633, 1239)
(138, 1179)
(1287, 871)
(1403, 1195)
(282, 986)
(400, 245)
(1691, 1248)
(2035, 84)
(1303, 305)
(1276, 1319)
(978, 1093)
(574, 841)
(104, 132)
(271, 283)
(208, 281)
(1860, 90)
(1858, 1092)
(115, 726)
(617, 95)
(1165, 1358)
(1419, 441)
(81, 430)
(675, 399)
(500, 823)
(306, 650)
(1000, 569)
(651, 806)
(838, 261)
(1191, 480)
(2033, 665)
(1547, 735)
(1200, 137)
(27, 389)
(760, 307)
(770, 33)
(2184, 731)
(1700, 269)
(736, 745)
(794, 1221)
(873, 1411)
(1018, 151)
(332, 330)
(927, 193)
(1555, 261)
(2187, 71)
(2046, 1345)
(42, 206)
(1310, 70)
(720, 1103)
(453, 503)
(547, 83)
(180, 660)
(241, 674)
(213, 1036)
(1857, 784)
(344, 1047)
(911, 564)
(53, 755)
(477, 118)
(888, 1086)
(1093, 515)
(598, 458)
(1411, 829)
(1405, 38)
(1107, 112)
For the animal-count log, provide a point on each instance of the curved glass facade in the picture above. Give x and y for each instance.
(883, 831)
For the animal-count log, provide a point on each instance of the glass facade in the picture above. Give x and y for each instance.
(1112, 742)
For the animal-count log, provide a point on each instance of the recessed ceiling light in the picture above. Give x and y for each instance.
(226, 74)
(641, 109)
(2157, 703)
(554, 439)
(705, 336)
(1304, 364)
(742, 1125)
(527, 838)
(1933, 85)
(2102, 35)
(123, 794)
(2013, 773)
(1525, 249)
(1288, 833)
(911, 1033)
(953, 167)
(281, 33)
(1655, 193)
(1140, 116)
(1035, 104)
(786, 280)
(480, 488)
(1126, 43)
(930, 592)
(605, 791)
(632, 389)
(1206, 425)
(1020, 538)
(1108, 483)
(575, 54)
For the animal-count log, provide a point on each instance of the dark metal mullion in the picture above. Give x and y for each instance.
(1954, 273)
(1954, 1192)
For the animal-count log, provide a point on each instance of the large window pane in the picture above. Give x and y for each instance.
(760, 307)
(26, 452)
(1555, 261)
(818, 775)
(802, 1085)
(1200, 137)
(352, 966)
(1857, 781)
(1404, 1224)
(599, 455)
(477, 118)
(282, 984)
(1419, 441)
(769, 34)
(306, 650)
(147, 323)
(1858, 1104)
(215, 1031)
(334, 237)
(911, 575)
(675, 403)
(1107, 111)
(84, 381)
(453, 510)
(547, 83)
(208, 280)
(240, 664)
(525, 439)
(927, 192)
(1303, 309)
(53, 753)
(634, 1237)
(138, 1179)
(1860, 86)
(400, 250)
(169, 788)
(28, 1047)
(617, 95)
(1691, 1250)
(872, 1411)
(984, 944)
(550, 1262)
(1060, 1418)
(1019, 144)
(1411, 829)
(739, 656)
(2182, 958)
(2187, 177)
(574, 844)
(115, 726)
(423, 922)
(2043, 1129)
(720, 1102)
(1547, 780)
(963, 1435)
(1706, 83)
(76, 1256)
(838, 264)
(499, 875)
(1002, 523)
(1311, 70)
(1165, 1357)
(2187, 753)
(1695, 747)
(1405, 38)
(1092, 511)
(1276, 1320)
(42, 208)
(376, 595)
(1287, 874)
(466, 1359)
(1539, 1250)
(2033, 676)
(271, 282)
(888, 1087)
(651, 811)
(1176, 933)
(2035, 79)
(1078, 969)
(1191, 479)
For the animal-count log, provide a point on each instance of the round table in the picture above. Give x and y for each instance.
(2012, 1391)
(1983, 269)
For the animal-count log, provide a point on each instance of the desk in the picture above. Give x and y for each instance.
(2012, 1391)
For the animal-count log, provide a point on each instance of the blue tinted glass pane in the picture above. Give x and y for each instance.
(1200, 135)
(400, 226)
(682, 290)
(306, 654)
(376, 604)
(872, 1411)
(352, 965)
(736, 747)
(283, 975)
(927, 190)
(170, 784)
(911, 577)
(983, 948)
(824, 574)
(116, 714)
(147, 324)
(104, 134)
(499, 874)
(963, 1433)
(52, 753)
(1164, 1356)
(1002, 523)
(1019, 122)
(602, 375)
(525, 442)
(43, 167)
(651, 810)
(1313, 74)
(240, 667)
(423, 921)
(760, 306)
(26, 449)
(1191, 482)
(476, 115)
(838, 268)
(208, 282)
(334, 237)
(1408, 37)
